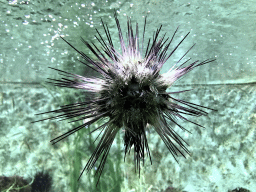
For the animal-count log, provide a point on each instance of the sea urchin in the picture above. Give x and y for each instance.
(130, 93)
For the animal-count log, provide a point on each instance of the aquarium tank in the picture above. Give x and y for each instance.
(127, 96)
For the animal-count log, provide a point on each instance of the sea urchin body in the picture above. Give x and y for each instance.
(130, 93)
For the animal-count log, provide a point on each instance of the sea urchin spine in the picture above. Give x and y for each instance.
(130, 94)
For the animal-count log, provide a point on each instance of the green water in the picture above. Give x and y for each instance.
(222, 155)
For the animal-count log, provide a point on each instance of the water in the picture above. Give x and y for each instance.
(222, 155)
